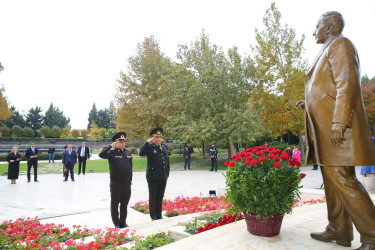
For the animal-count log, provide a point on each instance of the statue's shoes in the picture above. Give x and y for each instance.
(366, 246)
(328, 236)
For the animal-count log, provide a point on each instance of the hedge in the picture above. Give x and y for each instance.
(34, 139)
(44, 156)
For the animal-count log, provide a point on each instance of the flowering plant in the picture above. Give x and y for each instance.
(263, 180)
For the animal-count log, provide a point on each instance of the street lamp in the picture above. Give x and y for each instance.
(37, 134)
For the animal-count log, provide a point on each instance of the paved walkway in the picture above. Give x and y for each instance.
(51, 197)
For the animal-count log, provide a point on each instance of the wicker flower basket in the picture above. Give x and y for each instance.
(263, 226)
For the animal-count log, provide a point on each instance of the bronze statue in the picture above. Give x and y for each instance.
(337, 133)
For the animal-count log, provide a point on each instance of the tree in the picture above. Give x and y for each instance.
(93, 115)
(213, 89)
(84, 133)
(16, 131)
(34, 118)
(65, 132)
(55, 117)
(142, 92)
(5, 112)
(4, 131)
(75, 133)
(55, 132)
(280, 72)
(112, 115)
(15, 119)
(95, 132)
(27, 132)
(45, 131)
(368, 93)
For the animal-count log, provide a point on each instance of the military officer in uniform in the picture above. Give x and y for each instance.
(157, 171)
(121, 173)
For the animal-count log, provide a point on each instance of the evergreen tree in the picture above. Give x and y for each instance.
(34, 119)
(15, 119)
(93, 115)
(55, 117)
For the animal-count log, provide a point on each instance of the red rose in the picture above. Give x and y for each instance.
(303, 175)
(291, 163)
(259, 153)
(298, 164)
(276, 164)
(226, 163)
(233, 157)
(271, 156)
(254, 162)
(285, 156)
(276, 158)
(238, 158)
(247, 163)
(231, 164)
(266, 151)
(249, 158)
(262, 159)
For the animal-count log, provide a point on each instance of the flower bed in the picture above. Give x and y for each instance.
(30, 233)
(182, 205)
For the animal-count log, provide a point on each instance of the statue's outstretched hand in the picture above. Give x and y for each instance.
(337, 134)
(301, 104)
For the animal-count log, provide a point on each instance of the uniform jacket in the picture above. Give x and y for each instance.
(333, 95)
(157, 161)
(87, 152)
(29, 152)
(120, 163)
(71, 159)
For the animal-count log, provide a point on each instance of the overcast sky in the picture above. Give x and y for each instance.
(70, 53)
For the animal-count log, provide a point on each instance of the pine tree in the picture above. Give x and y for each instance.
(93, 116)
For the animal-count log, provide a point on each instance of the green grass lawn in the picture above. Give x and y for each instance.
(198, 162)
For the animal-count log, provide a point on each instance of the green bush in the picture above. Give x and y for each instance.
(177, 151)
(27, 132)
(16, 130)
(153, 241)
(43, 156)
(4, 131)
(279, 145)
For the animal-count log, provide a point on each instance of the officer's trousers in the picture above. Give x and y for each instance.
(32, 163)
(120, 194)
(213, 164)
(156, 191)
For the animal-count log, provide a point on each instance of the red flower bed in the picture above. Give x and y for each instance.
(182, 205)
(30, 233)
(225, 220)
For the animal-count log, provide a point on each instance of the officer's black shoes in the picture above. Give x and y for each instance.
(65, 180)
(153, 219)
(117, 226)
(211, 170)
(73, 180)
(124, 225)
(78, 174)
(36, 181)
(28, 180)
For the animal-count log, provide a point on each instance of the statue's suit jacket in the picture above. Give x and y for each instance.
(333, 95)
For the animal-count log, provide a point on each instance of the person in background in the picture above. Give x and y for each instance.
(83, 155)
(296, 154)
(69, 161)
(368, 175)
(121, 173)
(51, 154)
(187, 157)
(213, 155)
(32, 160)
(14, 159)
(290, 152)
(157, 172)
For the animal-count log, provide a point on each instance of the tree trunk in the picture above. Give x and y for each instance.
(302, 146)
(230, 148)
(373, 130)
(202, 148)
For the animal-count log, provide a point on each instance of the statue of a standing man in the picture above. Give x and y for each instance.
(337, 132)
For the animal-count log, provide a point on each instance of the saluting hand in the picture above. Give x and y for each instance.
(150, 139)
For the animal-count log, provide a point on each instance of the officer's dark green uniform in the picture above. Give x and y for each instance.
(157, 173)
(121, 173)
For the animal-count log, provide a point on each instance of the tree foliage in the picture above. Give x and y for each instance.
(95, 132)
(142, 91)
(280, 72)
(55, 117)
(93, 115)
(34, 118)
(368, 92)
(16, 131)
(45, 131)
(55, 132)
(5, 111)
(15, 119)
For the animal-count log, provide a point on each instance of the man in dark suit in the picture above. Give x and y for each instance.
(157, 172)
(83, 155)
(32, 160)
(337, 133)
(69, 161)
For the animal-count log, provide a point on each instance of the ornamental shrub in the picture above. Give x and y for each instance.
(262, 180)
